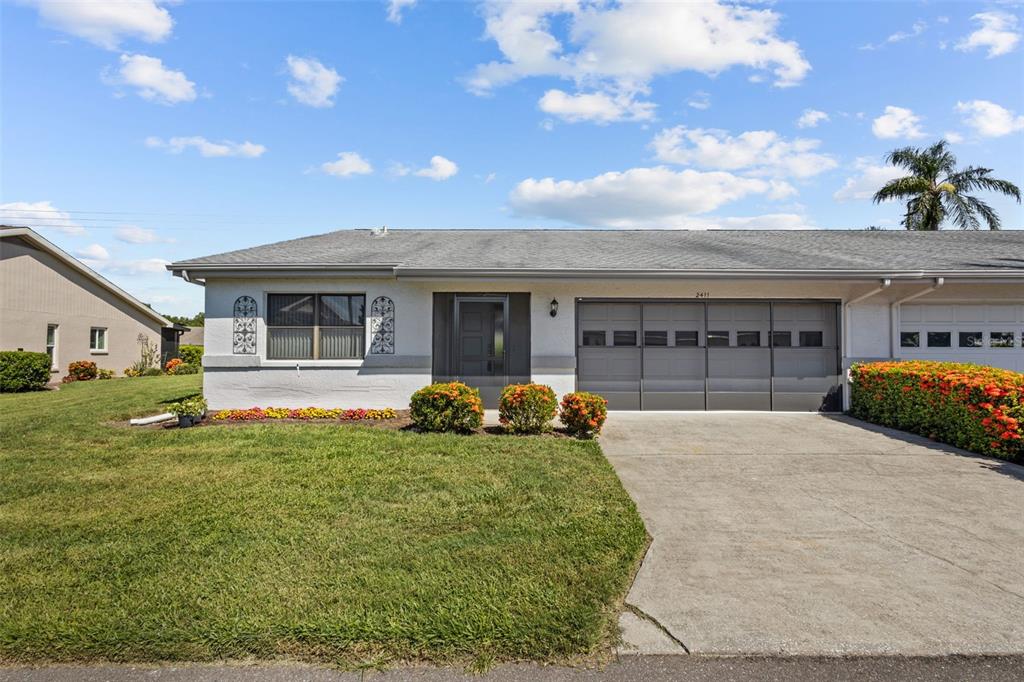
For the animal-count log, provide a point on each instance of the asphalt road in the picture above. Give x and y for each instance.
(647, 668)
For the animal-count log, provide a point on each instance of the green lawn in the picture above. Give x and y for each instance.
(320, 542)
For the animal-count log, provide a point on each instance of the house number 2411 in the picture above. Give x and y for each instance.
(703, 294)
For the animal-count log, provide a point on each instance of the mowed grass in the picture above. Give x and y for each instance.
(330, 543)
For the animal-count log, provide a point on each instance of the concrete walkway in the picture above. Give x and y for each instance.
(812, 535)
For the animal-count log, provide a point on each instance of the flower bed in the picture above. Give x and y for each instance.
(304, 413)
(970, 406)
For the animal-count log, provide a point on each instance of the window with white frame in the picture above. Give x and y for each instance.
(51, 343)
(316, 326)
(98, 340)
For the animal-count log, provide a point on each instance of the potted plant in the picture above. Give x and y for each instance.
(190, 411)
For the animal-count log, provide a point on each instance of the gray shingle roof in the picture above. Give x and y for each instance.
(648, 250)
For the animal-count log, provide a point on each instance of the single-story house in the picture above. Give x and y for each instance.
(652, 319)
(193, 337)
(51, 302)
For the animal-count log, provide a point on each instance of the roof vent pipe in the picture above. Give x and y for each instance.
(379, 231)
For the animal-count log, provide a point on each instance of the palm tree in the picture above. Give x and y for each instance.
(935, 190)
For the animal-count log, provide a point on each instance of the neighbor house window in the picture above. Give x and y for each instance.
(315, 326)
(940, 339)
(812, 339)
(748, 338)
(51, 343)
(687, 338)
(971, 340)
(593, 338)
(654, 338)
(624, 338)
(1000, 339)
(910, 339)
(782, 339)
(98, 340)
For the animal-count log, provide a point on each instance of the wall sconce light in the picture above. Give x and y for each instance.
(554, 307)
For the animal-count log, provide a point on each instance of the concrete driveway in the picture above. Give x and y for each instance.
(806, 534)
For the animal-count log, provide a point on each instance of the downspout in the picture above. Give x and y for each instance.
(894, 314)
(885, 284)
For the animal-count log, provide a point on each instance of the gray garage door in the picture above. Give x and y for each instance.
(688, 355)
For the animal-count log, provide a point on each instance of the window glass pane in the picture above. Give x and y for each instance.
(970, 340)
(940, 339)
(341, 310)
(289, 344)
(342, 343)
(782, 339)
(593, 338)
(290, 310)
(910, 339)
(51, 334)
(813, 339)
(1000, 339)
(718, 338)
(686, 338)
(97, 339)
(748, 338)
(624, 338)
(655, 338)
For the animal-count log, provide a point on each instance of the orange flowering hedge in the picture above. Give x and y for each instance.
(447, 407)
(583, 414)
(970, 406)
(527, 408)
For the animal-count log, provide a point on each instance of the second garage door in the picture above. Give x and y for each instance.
(690, 355)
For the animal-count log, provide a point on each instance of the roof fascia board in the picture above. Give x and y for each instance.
(429, 273)
(49, 247)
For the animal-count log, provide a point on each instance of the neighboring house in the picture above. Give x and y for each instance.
(193, 337)
(656, 320)
(51, 302)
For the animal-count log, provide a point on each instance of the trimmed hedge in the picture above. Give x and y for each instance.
(973, 407)
(527, 408)
(191, 355)
(22, 370)
(447, 407)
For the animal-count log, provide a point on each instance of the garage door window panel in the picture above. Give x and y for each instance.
(971, 340)
(910, 339)
(940, 339)
(1001, 339)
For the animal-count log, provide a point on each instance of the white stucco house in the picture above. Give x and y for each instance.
(652, 320)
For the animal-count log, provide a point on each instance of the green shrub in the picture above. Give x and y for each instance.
(151, 372)
(192, 355)
(970, 406)
(447, 407)
(583, 414)
(22, 370)
(104, 373)
(186, 368)
(194, 406)
(527, 408)
(81, 370)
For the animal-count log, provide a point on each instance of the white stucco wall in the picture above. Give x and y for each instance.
(387, 381)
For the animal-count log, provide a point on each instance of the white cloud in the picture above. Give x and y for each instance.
(440, 168)
(638, 197)
(758, 152)
(108, 23)
(953, 137)
(598, 107)
(133, 234)
(917, 29)
(347, 165)
(224, 148)
(618, 49)
(897, 122)
(998, 33)
(770, 221)
(40, 215)
(139, 266)
(700, 100)
(93, 252)
(811, 118)
(395, 8)
(152, 80)
(399, 170)
(312, 83)
(989, 119)
(869, 179)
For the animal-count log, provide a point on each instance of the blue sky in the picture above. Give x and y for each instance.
(136, 133)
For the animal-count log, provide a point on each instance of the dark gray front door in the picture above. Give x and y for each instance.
(480, 347)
